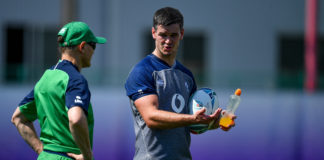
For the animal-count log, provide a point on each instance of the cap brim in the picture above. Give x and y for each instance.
(101, 40)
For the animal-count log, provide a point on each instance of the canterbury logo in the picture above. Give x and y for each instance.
(78, 100)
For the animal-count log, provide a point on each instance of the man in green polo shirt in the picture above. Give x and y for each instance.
(61, 101)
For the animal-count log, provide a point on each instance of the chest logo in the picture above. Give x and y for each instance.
(177, 103)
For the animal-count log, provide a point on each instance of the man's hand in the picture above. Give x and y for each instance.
(201, 118)
(231, 117)
(39, 149)
(76, 156)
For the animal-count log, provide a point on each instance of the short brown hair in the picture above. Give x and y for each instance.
(167, 16)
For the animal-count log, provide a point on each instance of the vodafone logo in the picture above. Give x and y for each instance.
(177, 103)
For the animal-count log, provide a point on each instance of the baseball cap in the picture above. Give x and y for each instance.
(76, 32)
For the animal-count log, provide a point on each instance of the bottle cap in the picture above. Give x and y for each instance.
(238, 92)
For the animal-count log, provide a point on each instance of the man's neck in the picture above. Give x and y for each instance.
(170, 60)
(74, 60)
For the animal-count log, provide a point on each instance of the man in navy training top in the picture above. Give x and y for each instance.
(159, 88)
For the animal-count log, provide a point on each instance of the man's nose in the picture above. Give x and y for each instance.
(168, 40)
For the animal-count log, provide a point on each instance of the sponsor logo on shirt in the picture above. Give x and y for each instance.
(78, 100)
(177, 103)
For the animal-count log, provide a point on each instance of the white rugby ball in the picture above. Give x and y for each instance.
(204, 97)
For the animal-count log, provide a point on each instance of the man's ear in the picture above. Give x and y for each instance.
(81, 45)
(153, 33)
(181, 33)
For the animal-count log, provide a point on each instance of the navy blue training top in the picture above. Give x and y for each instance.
(173, 85)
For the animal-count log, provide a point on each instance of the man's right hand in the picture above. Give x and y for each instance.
(76, 156)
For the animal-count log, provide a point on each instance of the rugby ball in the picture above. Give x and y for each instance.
(204, 97)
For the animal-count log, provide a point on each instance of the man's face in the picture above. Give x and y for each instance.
(167, 39)
(87, 56)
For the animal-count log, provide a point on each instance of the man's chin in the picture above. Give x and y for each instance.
(167, 54)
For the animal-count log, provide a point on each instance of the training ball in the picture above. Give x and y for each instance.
(204, 97)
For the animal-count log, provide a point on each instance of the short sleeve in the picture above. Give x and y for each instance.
(28, 107)
(139, 83)
(78, 94)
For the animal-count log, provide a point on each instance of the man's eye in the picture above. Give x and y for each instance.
(163, 35)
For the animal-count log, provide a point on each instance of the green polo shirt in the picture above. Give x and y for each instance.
(60, 88)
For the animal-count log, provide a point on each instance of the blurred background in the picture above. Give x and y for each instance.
(272, 49)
